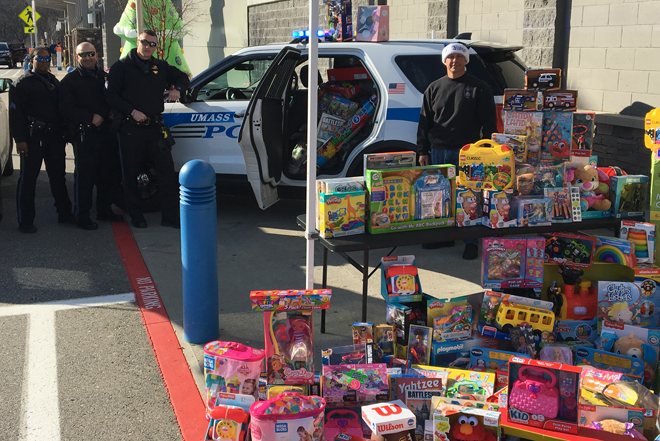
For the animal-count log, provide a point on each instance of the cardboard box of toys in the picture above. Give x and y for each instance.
(388, 160)
(498, 209)
(469, 207)
(411, 198)
(452, 422)
(628, 195)
(512, 263)
(399, 279)
(642, 234)
(543, 394)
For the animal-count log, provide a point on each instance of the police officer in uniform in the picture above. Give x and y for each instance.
(37, 128)
(135, 91)
(83, 105)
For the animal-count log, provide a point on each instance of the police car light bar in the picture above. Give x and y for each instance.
(305, 33)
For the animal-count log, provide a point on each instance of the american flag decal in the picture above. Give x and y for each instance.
(395, 88)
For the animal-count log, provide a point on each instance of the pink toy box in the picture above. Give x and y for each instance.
(543, 394)
(290, 299)
(289, 347)
(230, 367)
(288, 417)
(373, 23)
(512, 263)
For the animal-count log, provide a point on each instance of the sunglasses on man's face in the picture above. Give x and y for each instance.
(87, 54)
(41, 59)
(148, 43)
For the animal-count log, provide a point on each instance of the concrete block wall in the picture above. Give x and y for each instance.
(499, 21)
(622, 146)
(614, 55)
(410, 18)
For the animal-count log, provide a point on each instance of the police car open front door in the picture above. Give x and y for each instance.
(262, 131)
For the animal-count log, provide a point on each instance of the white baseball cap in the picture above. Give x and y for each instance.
(456, 48)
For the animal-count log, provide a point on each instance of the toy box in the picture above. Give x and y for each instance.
(485, 405)
(542, 79)
(575, 250)
(628, 195)
(491, 359)
(630, 303)
(529, 124)
(652, 129)
(452, 422)
(564, 100)
(583, 134)
(289, 347)
(543, 394)
(341, 214)
(631, 368)
(340, 185)
(399, 279)
(611, 249)
(344, 423)
(363, 333)
(486, 165)
(273, 390)
(340, 19)
(384, 161)
(348, 74)
(328, 126)
(495, 305)
(534, 179)
(512, 263)
(469, 207)
(451, 319)
(557, 132)
(521, 100)
(373, 23)
(565, 204)
(389, 417)
(292, 299)
(228, 423)
(359, 353)
(517, 143)
(498, 211)
(534, 211)
(384, 338)
(642, 234)
(411, 199)
(288, 417)
(456, 354)
(591, 416)
(419, 344)
(655, 186)
(417, 392)
(464, 384)
(568, 331)
(358, 383)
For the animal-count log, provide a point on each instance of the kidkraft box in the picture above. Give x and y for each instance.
(456, 354)
(452, 422)
(629, 303)
(512, 263)
(399, 279)
(486, 165)
(521, 100)
(341, 214)
(469, 207)
(631, 368)
(542, 79)
(557, 132)
(384, 161)
(583, 134)
(389, 417)
(517, 143)
(495, 306)
(628, 195)
(288, 417)
(498, 209)
(373, 23)
(529, 124)
(411, 199)
(543, 394)
(642, 234)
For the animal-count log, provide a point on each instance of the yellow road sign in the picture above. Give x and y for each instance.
(26, 16)
(28, 30)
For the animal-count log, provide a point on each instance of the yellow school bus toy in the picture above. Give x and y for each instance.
(513, 315)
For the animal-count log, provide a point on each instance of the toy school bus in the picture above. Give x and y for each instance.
(512, 315)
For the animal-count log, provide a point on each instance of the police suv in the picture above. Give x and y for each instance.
(253, 104)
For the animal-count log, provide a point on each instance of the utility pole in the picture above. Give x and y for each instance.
(139, 16)
(34, 16)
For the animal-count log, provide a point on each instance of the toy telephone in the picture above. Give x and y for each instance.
(228, 423)
(402, 279)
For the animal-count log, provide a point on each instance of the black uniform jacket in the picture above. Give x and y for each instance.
(33, 97)
(82, 95)
(134, 85)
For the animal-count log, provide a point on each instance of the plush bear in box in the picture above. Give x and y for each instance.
(592, 193)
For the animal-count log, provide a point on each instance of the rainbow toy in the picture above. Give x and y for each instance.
(613, 250)
(642, 234)
(638, 237)
(610, 253)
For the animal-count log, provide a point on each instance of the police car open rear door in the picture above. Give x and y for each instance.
(262, 131)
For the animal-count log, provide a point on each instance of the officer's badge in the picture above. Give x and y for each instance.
(154, 69)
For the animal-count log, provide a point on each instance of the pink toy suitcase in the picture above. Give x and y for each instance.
(288, 417)
(535, 394)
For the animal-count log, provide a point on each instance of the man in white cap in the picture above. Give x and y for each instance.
(458, 109)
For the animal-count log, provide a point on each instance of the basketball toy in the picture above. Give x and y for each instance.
(638, 237)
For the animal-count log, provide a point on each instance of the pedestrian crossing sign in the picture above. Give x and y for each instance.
(28, 30)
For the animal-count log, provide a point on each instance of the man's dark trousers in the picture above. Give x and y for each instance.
(97, 163)
(139, 144)
(49, 148)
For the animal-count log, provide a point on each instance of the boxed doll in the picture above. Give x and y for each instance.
(498, 209)
(583, 134)
(469, 207)
(419, 344)
(512, 263)
(557, 132)
(628, 195)
(289, 347)
(529, 124)
(455, 422)
(456, 354)
(534, 211)
(642, 234)
(384, 339)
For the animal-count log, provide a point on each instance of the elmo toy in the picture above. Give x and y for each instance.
(468, 428)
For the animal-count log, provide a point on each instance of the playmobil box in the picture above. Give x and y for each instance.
(291, 299)
(469, 207)
(499, 211)
(373, 23)
(560, 101)
(512, 263)
(583, 134)
(399, 280)
(628, 195)
(631, 303)
(454, 422)
(495, 306)
(631, 368)
(456, 354)
(389, 417)
(341, 214)
(411, 198)
(388, 160)
(521, 100)
(529, 124)
(591, 416)
(642, 234)
(557, 133)
(542, 79)
(543, 394)
(517, 143)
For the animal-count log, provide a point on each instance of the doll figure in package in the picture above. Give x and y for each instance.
(289, 347)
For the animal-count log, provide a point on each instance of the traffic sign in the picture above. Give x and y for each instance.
(28, 29)
(26, 16)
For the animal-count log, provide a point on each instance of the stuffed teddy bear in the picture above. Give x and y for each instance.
(587, 178)
(614, 426)
(634, 347)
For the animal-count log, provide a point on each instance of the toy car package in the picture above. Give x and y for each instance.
(564, 100)
(521, 100)
(542, 79)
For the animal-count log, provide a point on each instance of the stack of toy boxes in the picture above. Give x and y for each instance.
(342, 207)
(411, 198)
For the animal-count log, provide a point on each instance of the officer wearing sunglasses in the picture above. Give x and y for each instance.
(37, 128)
(135, 91)
(88, 116)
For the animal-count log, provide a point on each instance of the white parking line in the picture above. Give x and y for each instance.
(41, 366)
(17, 72)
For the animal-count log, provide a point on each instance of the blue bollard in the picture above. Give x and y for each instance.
(199, 252)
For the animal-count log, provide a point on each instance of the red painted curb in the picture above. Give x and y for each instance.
(179, 382)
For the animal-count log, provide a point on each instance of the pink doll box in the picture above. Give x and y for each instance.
(512, 263)
(291, 299)
(543, 394)
(232, 368)
(390, 417)
(557, 353)
(288, 417)
(373, 23)
(355, 383)
(289, 347)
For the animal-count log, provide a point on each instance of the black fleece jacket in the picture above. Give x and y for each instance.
(33, 96)
(83, 95)
(455, 112)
